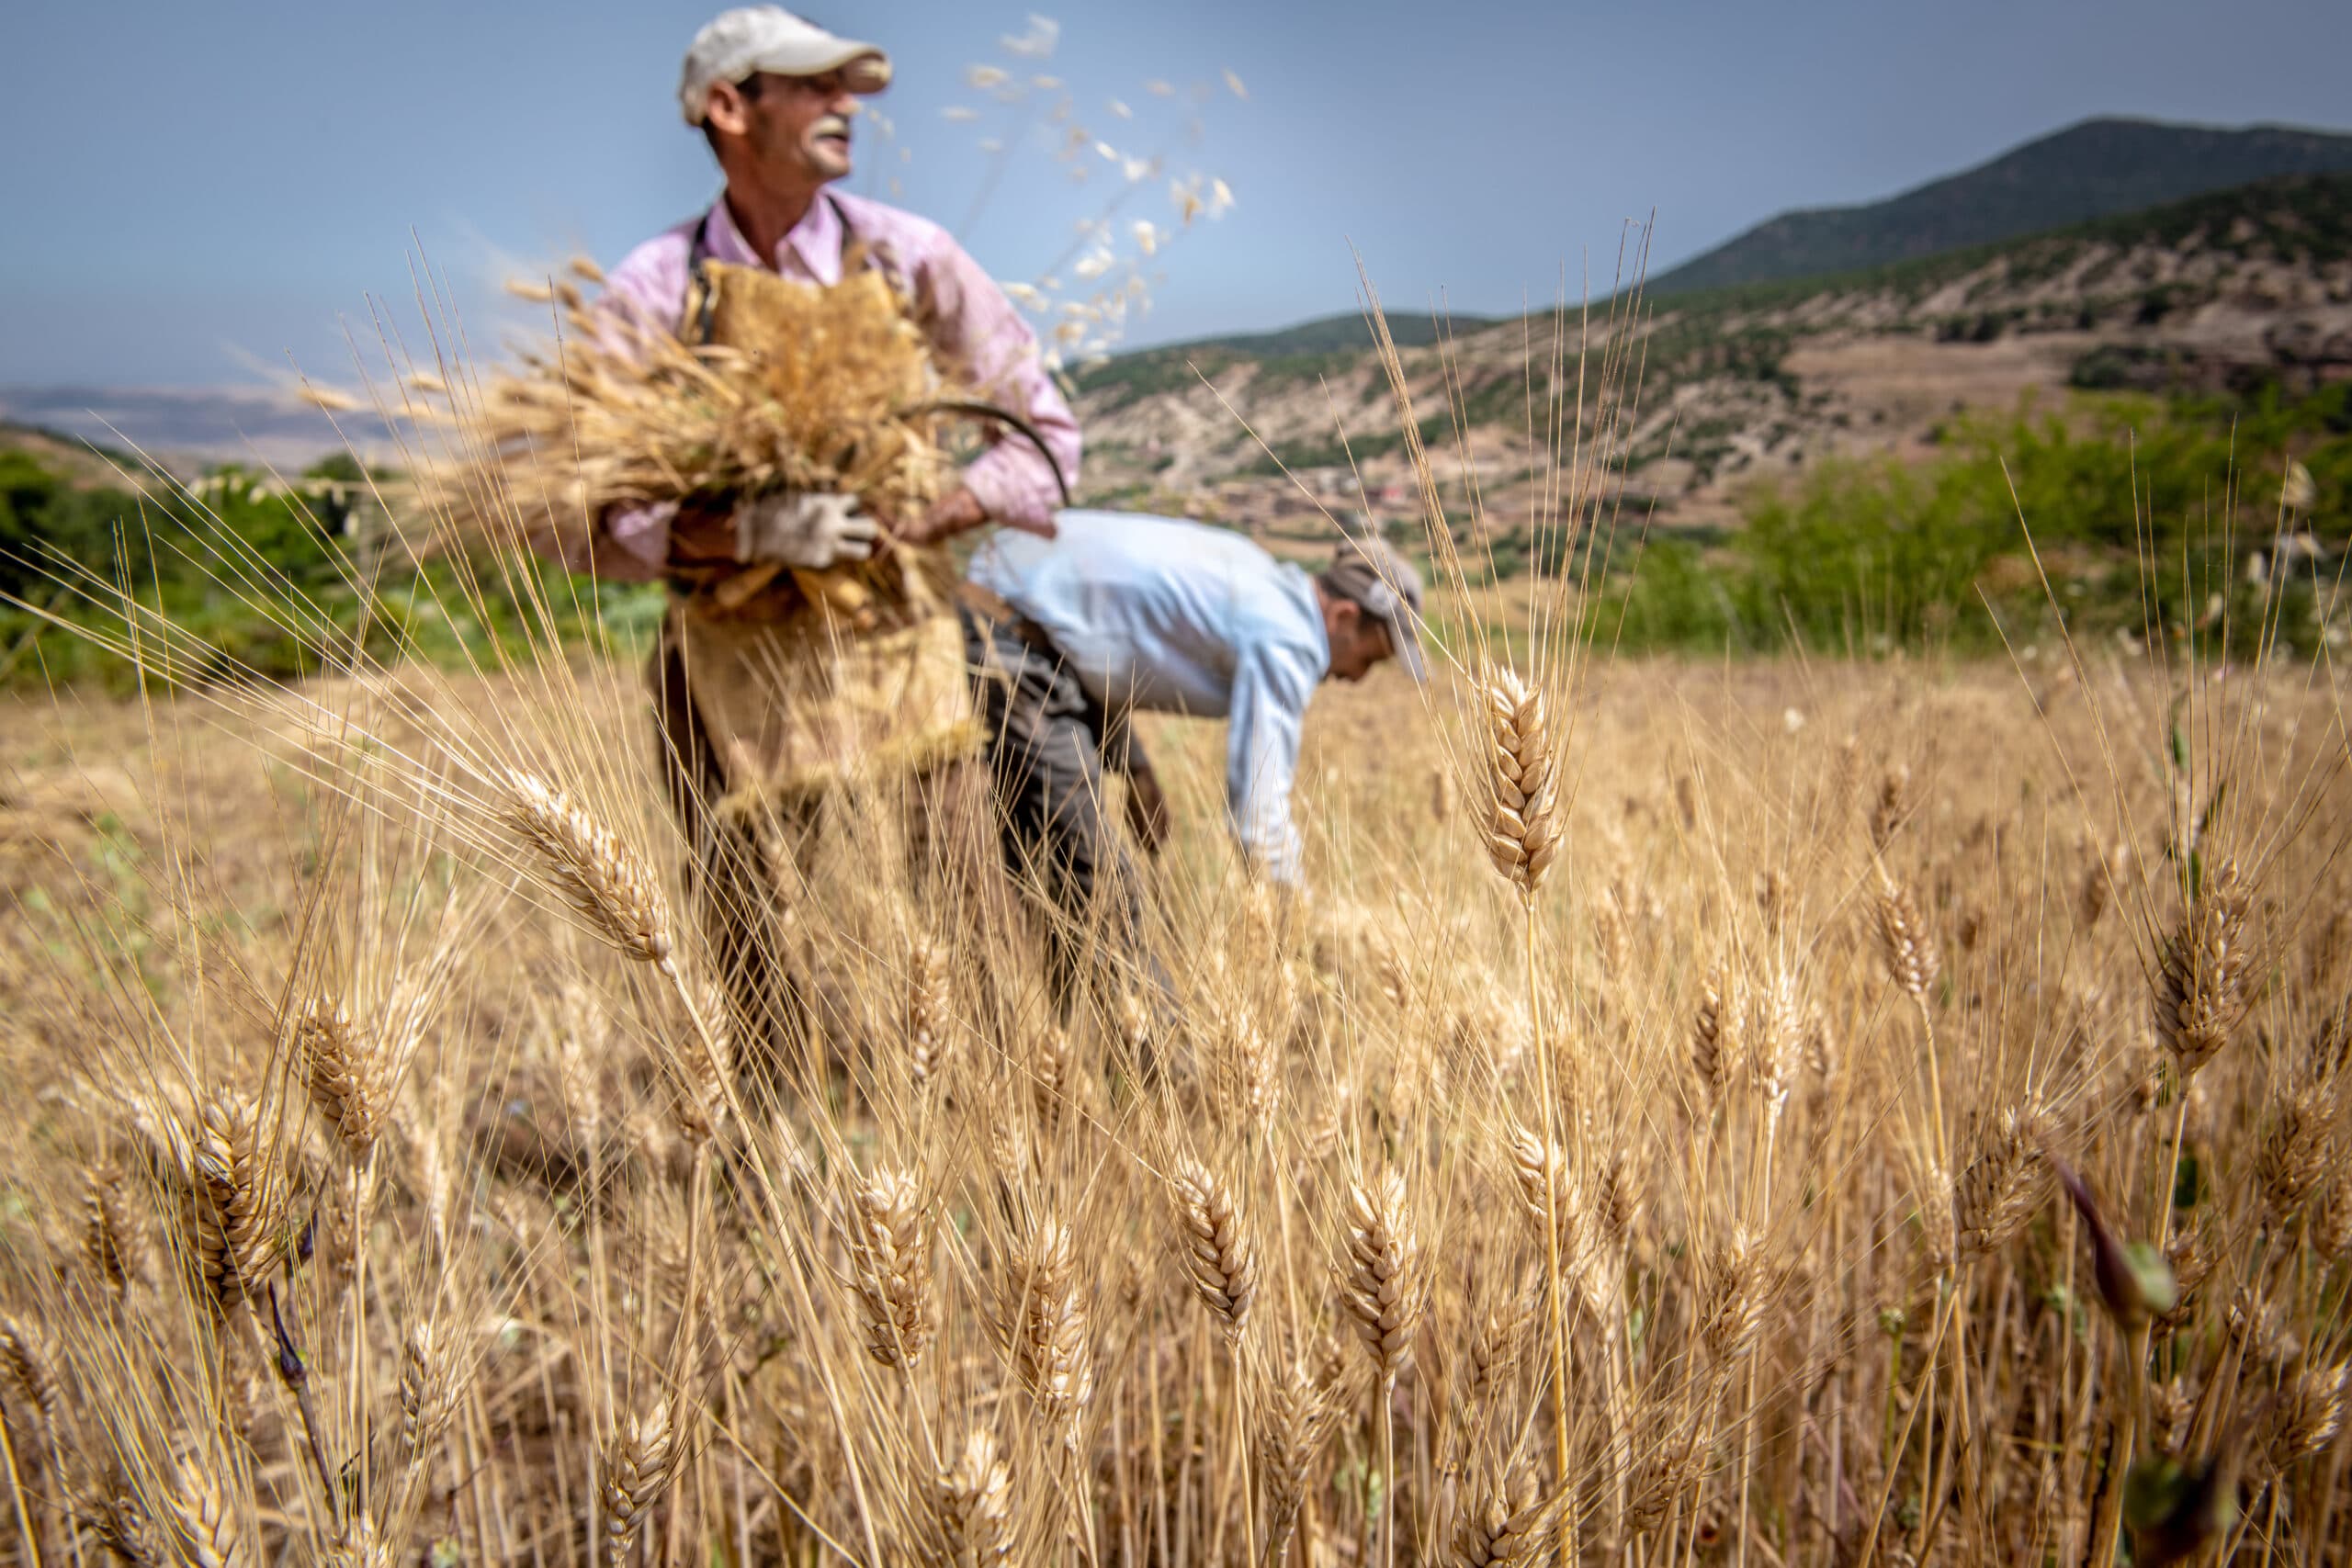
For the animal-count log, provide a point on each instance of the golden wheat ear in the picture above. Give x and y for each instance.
(972, 1507)
(349, 1070)
(1382, 1285)
(2005, 1182)
(1507, 1526)
(890, 1247)
(1903, 944)
(1520, 829)
(633, 1472)
(2204, 969)
(1053, 1351)
(1215, 1246)
(1297, 1413)
(602, 878)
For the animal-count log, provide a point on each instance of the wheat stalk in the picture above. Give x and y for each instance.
(1052, 1352)
(2201, 976)
(972, 1507)
(890, 1243)
(1215, 1245)
(349, 1071)
(606, 881)
(1521, 829)
(1381, 1281)
(1507, 1527)
(636, 1467)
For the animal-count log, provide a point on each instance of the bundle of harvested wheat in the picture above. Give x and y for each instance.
(786, 385)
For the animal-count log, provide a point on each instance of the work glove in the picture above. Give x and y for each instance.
(806, 531)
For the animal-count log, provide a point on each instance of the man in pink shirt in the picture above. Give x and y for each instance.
(776, 97)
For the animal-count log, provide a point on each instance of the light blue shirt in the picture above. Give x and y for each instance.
(1169, 616)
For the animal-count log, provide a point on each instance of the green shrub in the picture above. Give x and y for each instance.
(259, 579)
(2122, 497)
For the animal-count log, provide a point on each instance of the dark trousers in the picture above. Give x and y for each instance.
(1049, 746)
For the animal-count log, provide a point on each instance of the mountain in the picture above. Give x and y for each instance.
(78, 463)
(183, 428)
(2096, 169)
(2223, 292)
(1300, 353)
(1326, 333)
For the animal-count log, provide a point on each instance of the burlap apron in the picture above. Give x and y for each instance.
(795, 707)
(804, 682)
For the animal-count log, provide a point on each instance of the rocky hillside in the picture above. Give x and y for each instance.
(2221, 291)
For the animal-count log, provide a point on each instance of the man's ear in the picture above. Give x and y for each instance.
(725, 109)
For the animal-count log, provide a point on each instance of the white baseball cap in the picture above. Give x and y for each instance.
(735, 44)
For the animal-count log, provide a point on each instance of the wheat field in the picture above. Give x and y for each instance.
(1815, 1112)
(392, 1184)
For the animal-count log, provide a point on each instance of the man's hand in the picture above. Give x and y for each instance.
(958, 512)
(1147, 811)
(807, 532)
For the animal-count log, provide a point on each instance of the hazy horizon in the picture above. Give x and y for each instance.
(287, 153)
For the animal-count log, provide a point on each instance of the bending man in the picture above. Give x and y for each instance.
(1118, 614)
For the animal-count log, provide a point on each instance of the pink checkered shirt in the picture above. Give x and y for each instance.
(973, 329)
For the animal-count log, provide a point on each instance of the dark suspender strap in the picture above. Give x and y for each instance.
(699, 296)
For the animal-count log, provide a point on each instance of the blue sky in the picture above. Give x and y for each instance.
(191, 191)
